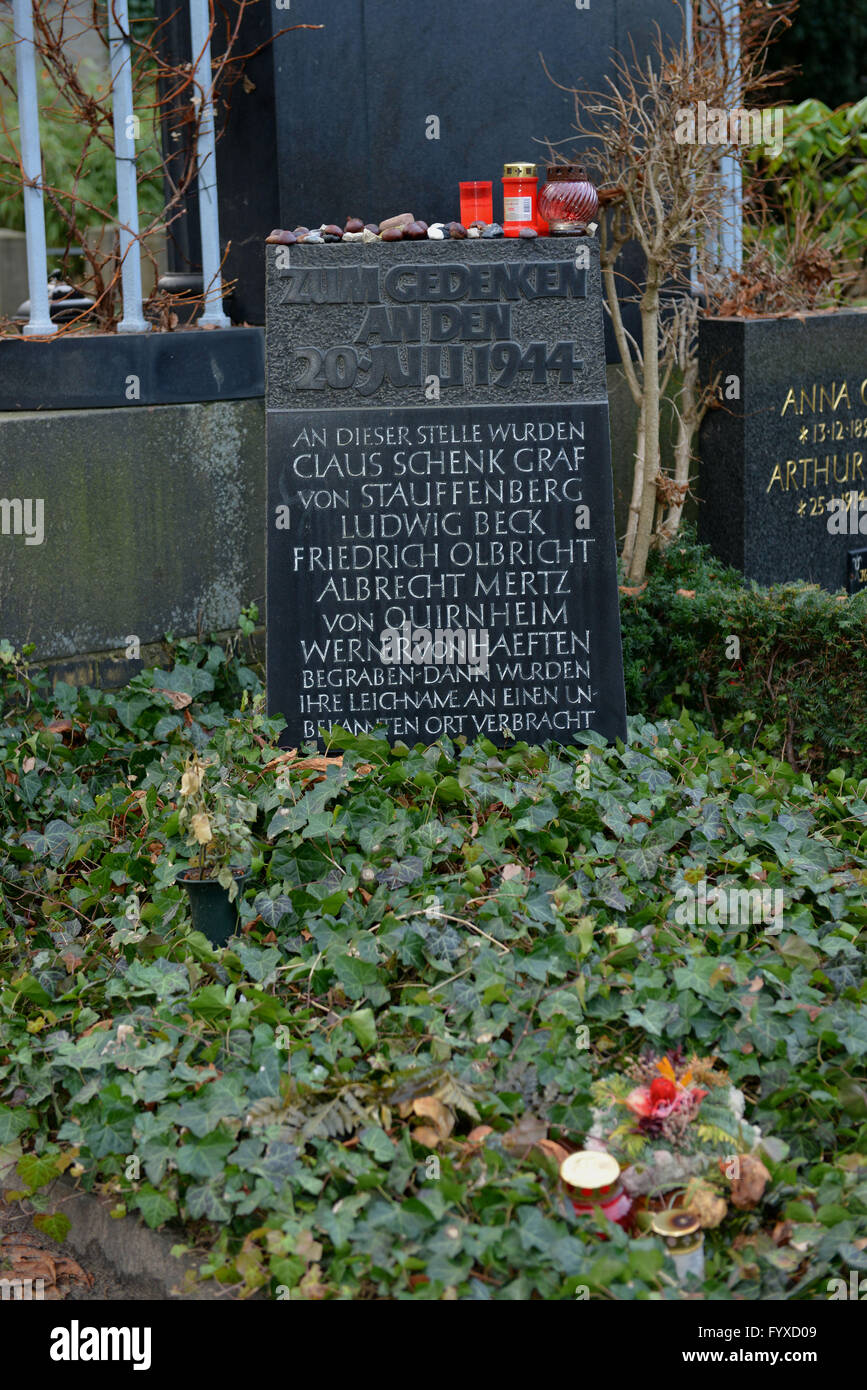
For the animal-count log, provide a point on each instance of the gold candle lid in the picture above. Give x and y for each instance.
(519, 171)
(675, 1222)
(590, 1169)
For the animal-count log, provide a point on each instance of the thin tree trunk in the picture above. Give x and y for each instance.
(637, 491)
(689, 419)
(650, 354)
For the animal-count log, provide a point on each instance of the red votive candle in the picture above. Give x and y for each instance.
(594, 1182)
(477, 202)
(519, 198)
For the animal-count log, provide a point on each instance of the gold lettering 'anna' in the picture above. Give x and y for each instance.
(816, 399)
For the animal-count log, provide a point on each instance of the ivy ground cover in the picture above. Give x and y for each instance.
(447, 958)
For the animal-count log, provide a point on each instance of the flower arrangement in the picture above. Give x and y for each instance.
(217, 823)
(670, 1119)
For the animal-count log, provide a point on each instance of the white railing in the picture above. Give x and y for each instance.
(730, 234)
(125, 125)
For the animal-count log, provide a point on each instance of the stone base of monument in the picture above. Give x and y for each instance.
(783, 477)
(440, 544)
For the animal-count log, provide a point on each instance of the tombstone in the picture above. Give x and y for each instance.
(335, 121)
(783, 478)
(440, 543)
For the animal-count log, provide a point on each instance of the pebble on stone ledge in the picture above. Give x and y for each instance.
(402, 219)
(403, 227)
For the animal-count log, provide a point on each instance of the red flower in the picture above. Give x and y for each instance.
(662, 1098)
(662, 1090)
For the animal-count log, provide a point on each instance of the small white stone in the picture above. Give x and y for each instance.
(368, 236)
(357, 236)
(473, 231)
(435, 232)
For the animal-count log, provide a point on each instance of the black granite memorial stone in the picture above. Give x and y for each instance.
(440, 545)
(783, 478)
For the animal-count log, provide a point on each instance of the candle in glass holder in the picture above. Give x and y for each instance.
(594, 1179)
(682, 1234)
(519, 198)
(568, 201)
(477, 202)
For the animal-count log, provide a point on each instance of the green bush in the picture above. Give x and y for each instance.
(819, 179)
(799, 688)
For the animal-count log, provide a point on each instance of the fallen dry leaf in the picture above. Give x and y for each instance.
(525, 1134)
(747, 1189)
(553, 1149)
(429, 1108)
(427, 1136)
(686, 593)
(633, 591)
(511, 871)
(703, 1199)
(479, 1134)
(23, 1256)
(178, 699)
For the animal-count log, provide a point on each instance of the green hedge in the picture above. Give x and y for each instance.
(800, 686)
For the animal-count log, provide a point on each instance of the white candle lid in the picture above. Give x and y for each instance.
(590, 1168)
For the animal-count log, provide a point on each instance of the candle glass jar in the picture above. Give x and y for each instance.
(594, 1180)
(519, 198)
(568, 202)
(477, 202)
(683, 1237)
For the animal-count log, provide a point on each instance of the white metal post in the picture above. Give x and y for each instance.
(125, 128)
(31, 168)
(731, 240)
(206, 163)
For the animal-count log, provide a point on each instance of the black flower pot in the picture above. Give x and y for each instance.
(213, 914)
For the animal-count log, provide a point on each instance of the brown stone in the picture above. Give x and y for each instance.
(457, 231)
(354, 224)
(415, 231)
(331, 230)
(402, 219)
(393, 234)
(280, 238)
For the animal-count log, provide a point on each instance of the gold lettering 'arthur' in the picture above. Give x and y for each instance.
(813, 472)
(816, 399)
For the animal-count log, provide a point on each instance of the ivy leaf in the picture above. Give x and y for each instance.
(55, 1224)
(363, 1025)
(206, 1201)
(360, 978)
(155, 1207)
(204, 1158)
(37, 1169)
(54, 841)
